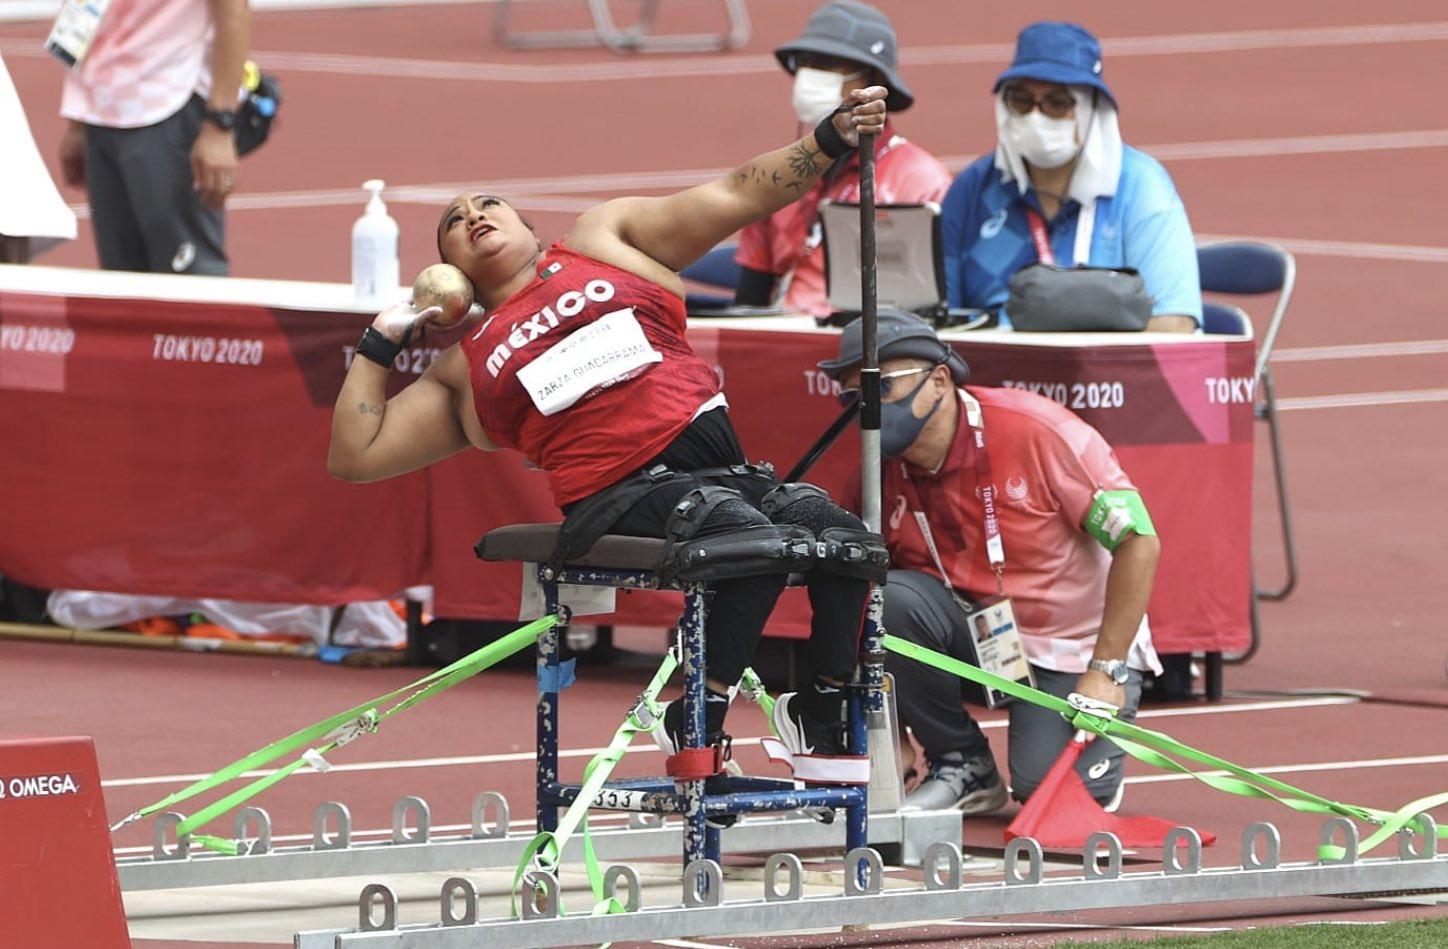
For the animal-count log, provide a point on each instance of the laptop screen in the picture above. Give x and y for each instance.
(909, 257)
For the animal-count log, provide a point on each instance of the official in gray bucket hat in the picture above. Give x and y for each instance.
(853, 31)
(845, 45)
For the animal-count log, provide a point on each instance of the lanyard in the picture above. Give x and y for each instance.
(1040, 236)
(995, 549)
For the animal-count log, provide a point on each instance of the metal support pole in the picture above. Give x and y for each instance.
(696, 838)
(547, 664)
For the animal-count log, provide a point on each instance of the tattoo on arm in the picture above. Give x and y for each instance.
(364, 409)
(801, 160)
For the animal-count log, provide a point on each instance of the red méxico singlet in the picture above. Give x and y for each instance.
(618, 424)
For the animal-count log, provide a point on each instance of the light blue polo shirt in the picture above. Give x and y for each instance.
(1143, 226)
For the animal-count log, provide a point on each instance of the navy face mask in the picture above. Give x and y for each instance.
(899, 426)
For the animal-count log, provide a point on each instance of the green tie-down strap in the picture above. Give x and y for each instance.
(1154, 748)
(332, 733)
(545, 851)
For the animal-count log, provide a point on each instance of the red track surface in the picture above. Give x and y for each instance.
(1365, 480)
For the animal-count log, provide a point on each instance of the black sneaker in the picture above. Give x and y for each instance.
(814, 747)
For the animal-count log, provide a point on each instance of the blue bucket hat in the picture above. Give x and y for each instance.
(1057, 52)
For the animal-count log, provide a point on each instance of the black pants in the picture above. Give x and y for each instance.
(739, 608)
(145, 210)
(920, 609)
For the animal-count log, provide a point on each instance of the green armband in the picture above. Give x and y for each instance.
(1114, 513)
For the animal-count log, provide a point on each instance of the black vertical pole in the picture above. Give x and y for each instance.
(869, 366)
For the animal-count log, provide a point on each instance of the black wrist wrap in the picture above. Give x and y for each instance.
(378, 348)
(829, 139)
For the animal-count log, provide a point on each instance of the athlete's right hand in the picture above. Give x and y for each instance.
(864, 112)
(403, 324)
(72, 154)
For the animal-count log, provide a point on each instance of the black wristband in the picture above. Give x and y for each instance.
(828, 138)
(378, 348)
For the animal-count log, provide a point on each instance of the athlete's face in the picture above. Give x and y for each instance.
(484, 237)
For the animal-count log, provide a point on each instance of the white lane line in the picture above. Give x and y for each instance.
(1422, 347)
(981, 924)
(736, 64)
(1302, 768)
(1356, 399)
(569, 188)
(1355, 250)
(686, 944)
(647, 748)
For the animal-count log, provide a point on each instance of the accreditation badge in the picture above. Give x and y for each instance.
(75, 27)
(996, 640)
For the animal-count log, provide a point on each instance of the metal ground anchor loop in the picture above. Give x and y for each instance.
(1272, 846)
(165, 845)
(864, 872)
(453, 889)
(373, 895)
(633, 887)
(1328, 837)
(1183, 851)
(1418, 838)
(641, 820)
(411, 810)
(772, 866)
(242, 827)
(703, 883)
(1034, 859)
(946, 852)
(540, 894)
(1092, 852)
(321, 825)
(490, 802)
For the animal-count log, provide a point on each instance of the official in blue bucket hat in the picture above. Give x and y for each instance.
(1062, 188)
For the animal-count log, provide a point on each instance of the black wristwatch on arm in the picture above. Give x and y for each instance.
(224, 119)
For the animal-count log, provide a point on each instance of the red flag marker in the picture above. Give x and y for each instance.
(1062, 813)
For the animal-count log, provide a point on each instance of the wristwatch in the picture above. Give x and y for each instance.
(224, 119)
(1114, 668)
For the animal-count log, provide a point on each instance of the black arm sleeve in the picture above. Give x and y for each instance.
(756, 288)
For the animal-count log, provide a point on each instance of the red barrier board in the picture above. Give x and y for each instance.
(58, 886)
(178, 447)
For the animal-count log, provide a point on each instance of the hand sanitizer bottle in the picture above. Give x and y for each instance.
(374, 251)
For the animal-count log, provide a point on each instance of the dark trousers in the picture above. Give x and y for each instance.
(739, 608)
(919, 608)
(145, 210)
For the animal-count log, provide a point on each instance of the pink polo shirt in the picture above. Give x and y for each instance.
(146, 60)
(787, 243)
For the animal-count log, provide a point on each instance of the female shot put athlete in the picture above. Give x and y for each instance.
(582, 366)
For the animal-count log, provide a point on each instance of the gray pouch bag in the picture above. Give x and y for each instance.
(1046, 298)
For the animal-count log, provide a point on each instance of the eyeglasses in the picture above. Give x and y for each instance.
(1055, 105)
(847, 397)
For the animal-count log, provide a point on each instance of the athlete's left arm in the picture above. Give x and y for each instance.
(669, 233)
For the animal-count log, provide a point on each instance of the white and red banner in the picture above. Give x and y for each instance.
(170, 447)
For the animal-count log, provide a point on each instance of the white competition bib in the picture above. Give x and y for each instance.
(74, 28)
(608, 351)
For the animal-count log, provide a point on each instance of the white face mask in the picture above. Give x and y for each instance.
(818, 92)
(1042, 141)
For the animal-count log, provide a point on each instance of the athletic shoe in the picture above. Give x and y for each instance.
(1114, 804)
(813, 747)
(970, 785)
(668, 734)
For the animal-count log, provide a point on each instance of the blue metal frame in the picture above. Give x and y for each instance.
(725, 794)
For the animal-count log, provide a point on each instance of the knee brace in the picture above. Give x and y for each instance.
(697, 550)
(852, 553)
(777, 502)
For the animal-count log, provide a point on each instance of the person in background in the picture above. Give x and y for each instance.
(1076, 555)
(845, 46)
(151, 110)
(1062, 188)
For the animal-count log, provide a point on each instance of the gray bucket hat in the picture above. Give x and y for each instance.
(857, 32)
(899, 334)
